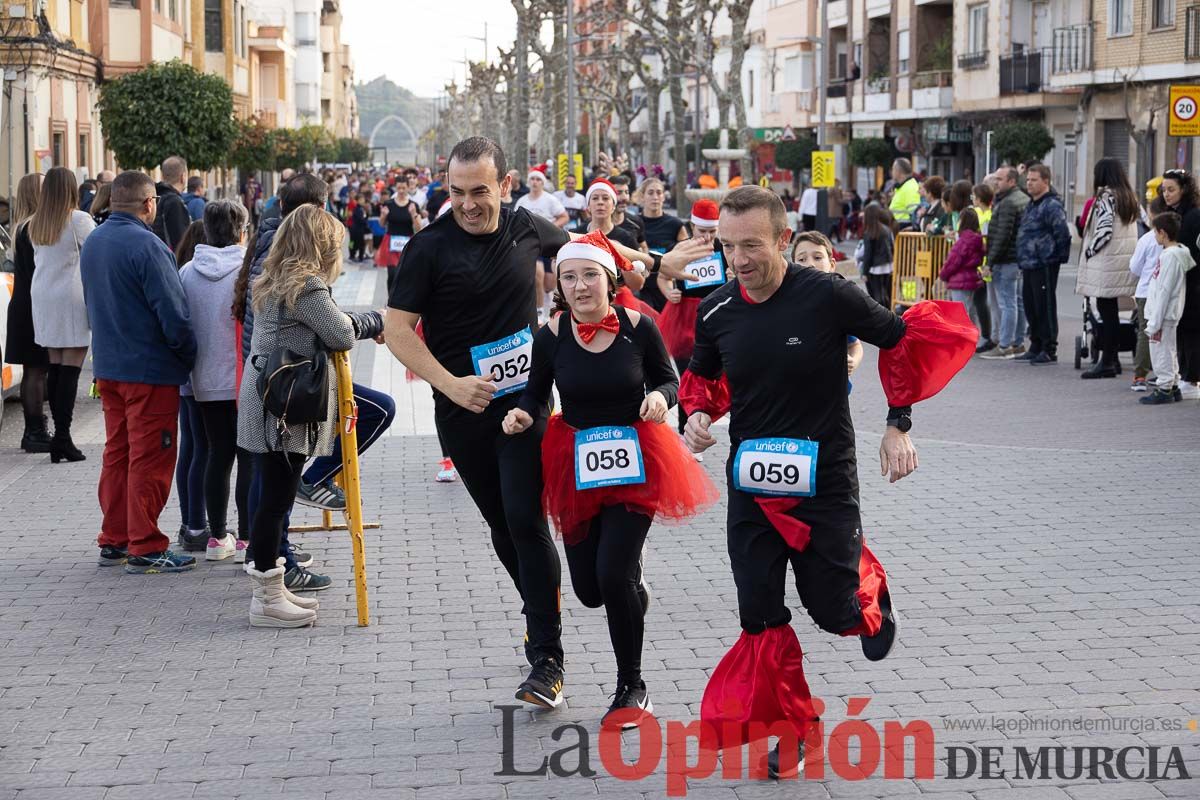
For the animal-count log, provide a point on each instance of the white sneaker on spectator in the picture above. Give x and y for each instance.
(1189, 391)
(220, 549)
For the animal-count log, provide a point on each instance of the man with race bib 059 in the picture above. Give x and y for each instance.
(771, 349)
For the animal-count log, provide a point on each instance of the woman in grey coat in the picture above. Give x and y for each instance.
(60, 321)
(294, 309)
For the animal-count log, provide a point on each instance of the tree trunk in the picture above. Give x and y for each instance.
(653, 90)
(557, 70)
(520, 124)
(682, 204)
(739, 13)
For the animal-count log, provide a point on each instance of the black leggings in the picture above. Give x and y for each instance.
(503, 475)
(606, 570)
(280, 479)
(358, 245)
(681, 364)
(982, 312)
(33, 394)
(1110, 330)
(880, 288)
(220, 428)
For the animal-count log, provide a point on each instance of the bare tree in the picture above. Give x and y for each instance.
(731, 95)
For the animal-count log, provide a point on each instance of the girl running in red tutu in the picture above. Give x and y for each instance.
(610, 466)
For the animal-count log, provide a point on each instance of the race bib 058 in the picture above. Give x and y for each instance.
(607, 456)
(786, 467)
(709, 271)
(396, 243)
(505, 362)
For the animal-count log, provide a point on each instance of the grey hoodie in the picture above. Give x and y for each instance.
(208, 283)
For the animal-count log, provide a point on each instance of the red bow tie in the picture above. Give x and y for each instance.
(588, 330)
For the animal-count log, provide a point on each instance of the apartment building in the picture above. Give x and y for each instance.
(50, 61)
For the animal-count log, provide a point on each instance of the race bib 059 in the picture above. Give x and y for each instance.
(786, 467)
(607, 456)
(505, 362)
(709, 271)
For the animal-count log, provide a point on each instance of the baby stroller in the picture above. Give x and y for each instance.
(1088, 345)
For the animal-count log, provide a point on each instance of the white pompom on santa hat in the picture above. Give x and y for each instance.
(705, 213)
(601, 185)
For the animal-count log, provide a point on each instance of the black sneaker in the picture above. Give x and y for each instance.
(877, 647)
(528, 653)
(298, 579)
(544, 685)
(159, 563)
(1042, 358)
(112, 556)
(1157, 398)
(301, 558)
(1176, 393)
(321, 495)
(988, 344)
(1028, 355)
(628, 695)
(791, 771)
(194, 542)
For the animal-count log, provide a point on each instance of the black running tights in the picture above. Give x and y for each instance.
(220, 428)
(606, 570)
(280, 479)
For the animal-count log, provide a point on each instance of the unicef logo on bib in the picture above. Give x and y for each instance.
(505, 362)
(779, 466)
(608, 456)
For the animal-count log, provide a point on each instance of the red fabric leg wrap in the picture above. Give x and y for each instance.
(758, 684)
(872, 583)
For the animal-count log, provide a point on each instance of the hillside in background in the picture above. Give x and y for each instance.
(380, 98)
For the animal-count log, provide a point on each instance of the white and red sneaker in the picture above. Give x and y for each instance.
(239, 554)
(447, 474)
(220, 549)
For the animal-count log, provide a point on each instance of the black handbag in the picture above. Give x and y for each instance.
(294, 388)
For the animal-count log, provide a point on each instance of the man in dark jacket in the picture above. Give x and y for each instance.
(376, 410)
(1007, 210)
(143, 349)
(172, 219)
(1043, 244)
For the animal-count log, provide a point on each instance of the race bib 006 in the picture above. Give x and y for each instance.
(786, 467)
(607, 456)
(505, 362)
(709, 271)
(396, 243)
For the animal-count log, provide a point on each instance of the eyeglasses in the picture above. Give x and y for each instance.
(1175, 173)
(589, 278)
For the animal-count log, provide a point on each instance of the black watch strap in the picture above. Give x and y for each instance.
(900, 418)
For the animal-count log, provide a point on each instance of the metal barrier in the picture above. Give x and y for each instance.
(915, 266)
(349, 481)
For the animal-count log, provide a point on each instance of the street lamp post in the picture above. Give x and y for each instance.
(571, 140)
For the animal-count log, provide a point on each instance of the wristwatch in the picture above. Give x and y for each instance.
(900, 418)
(657, 262)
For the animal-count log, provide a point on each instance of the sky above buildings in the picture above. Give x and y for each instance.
(420, 44)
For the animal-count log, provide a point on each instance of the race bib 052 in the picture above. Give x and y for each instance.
(608, 456)
(786, 467)
(505, 362)
(709, 271)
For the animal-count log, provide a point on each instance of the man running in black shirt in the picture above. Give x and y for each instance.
(778, 336)
(470, 277)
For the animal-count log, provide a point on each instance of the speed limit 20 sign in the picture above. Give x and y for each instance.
(1185, 111)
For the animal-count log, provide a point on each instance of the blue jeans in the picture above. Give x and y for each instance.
(376, 411)
(1006, 278)
(189, 467)
(966, 297)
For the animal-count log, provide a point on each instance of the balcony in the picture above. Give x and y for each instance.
(933, 89)
(977, 60)
(879, 94)
(1027, 72)
(837, 89)
(1073, 49)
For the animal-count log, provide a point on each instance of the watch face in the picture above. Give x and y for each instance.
(904, 424)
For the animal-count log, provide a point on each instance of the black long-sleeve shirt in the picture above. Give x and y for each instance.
(785, 359)
(605, 388)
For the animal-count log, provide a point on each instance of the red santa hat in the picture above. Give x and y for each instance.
(601, 185)
(705, 213)
(597, 248)
(539, 171)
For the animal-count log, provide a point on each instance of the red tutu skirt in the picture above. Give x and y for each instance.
(627, 299)
(677, 321)
(383, 255)
(676, 487)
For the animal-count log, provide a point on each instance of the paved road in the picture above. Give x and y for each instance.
(1044, 559)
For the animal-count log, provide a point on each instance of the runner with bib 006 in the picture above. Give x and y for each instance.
(611, 466)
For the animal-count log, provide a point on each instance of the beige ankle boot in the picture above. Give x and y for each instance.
(270, 608)
(304, 602)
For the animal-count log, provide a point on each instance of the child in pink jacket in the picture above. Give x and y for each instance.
(960, 272)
